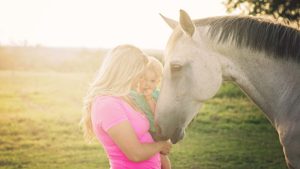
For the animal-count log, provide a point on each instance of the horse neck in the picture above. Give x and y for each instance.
(271, 83)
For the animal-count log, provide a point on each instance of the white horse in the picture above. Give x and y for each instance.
(261, 57)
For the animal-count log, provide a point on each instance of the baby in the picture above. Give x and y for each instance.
(146, 95)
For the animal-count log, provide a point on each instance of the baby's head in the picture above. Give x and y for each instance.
(151, 77)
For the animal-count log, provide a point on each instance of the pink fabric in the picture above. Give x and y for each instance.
(108, 111)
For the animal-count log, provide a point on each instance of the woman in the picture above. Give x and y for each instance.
(111, 116)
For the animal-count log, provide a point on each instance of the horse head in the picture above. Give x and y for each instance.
(192, 74)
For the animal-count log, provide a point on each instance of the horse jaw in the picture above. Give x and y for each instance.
(171, 121)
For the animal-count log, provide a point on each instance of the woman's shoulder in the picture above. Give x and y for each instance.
(104, 104)
(107, 100)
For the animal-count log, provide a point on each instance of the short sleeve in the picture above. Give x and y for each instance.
(108, 111)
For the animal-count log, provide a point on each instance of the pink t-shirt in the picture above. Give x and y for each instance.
(108, 111)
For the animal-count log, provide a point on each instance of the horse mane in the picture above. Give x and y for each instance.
(256, 33)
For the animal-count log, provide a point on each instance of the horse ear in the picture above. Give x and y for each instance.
(186, 23)
(172, 23)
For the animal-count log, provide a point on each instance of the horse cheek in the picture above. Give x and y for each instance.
(207, 84)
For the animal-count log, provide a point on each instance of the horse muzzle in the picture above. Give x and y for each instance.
(175, 136)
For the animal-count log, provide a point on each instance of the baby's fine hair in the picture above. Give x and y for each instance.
(155, 65)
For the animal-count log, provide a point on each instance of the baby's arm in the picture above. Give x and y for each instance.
(165, 162)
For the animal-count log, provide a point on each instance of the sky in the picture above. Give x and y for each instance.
(96, 23)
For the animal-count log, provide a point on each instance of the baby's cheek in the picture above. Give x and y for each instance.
(148, 92)
(155, 86)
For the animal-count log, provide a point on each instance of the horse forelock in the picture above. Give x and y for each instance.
(275, 39)
(177, 33)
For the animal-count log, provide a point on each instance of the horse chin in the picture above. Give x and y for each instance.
(177, 136)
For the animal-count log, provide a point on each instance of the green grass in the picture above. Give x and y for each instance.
(40, 111)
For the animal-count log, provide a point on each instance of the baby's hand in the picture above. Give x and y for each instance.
(167, 146)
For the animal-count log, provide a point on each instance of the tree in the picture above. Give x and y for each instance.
(287, 10)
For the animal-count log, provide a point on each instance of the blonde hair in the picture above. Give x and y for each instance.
(121, 66)
(155, 65)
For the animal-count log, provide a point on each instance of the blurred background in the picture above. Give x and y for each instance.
(50, 51)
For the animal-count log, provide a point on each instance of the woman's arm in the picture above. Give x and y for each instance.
(124, 136)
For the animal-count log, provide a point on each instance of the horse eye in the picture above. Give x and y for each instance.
(176, 67)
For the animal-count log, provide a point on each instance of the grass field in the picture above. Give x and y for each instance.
(40, 111)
